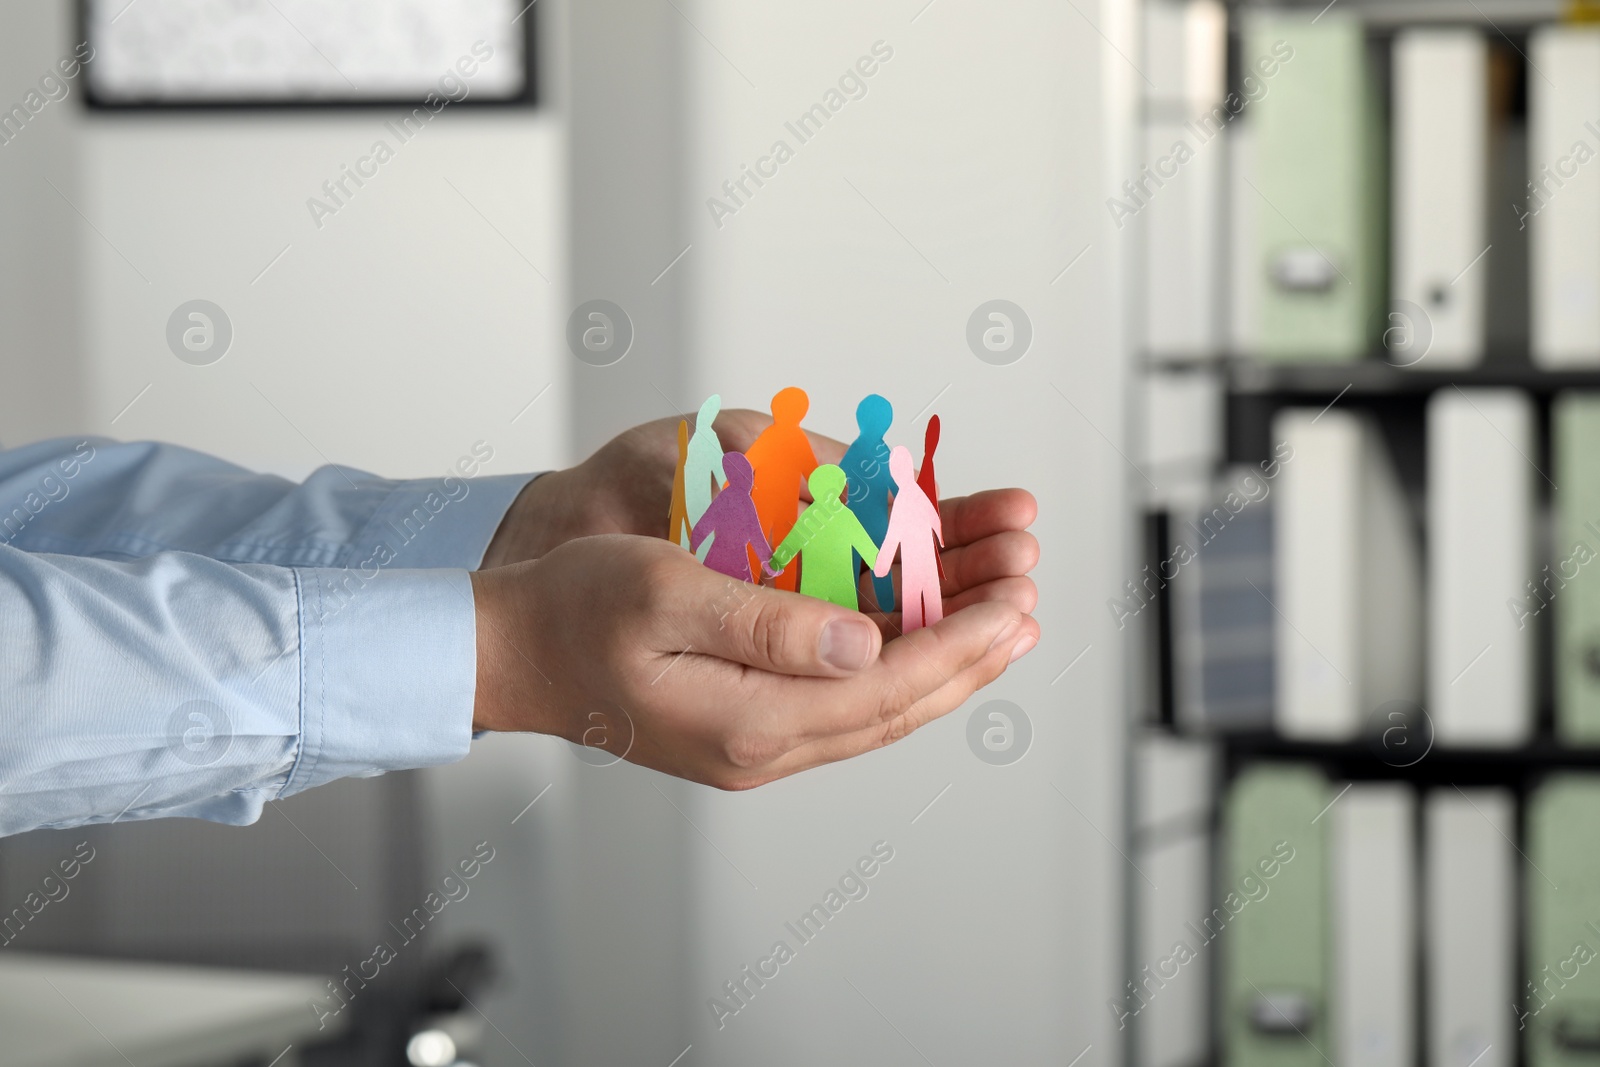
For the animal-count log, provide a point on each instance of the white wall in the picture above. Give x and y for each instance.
(974, 168)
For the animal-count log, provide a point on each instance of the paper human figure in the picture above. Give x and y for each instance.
(916, 532)
(703, 470)
(678, 514)
(782, 460)
(866, 465)
(732, 518)
(927, 481)
(827, 539)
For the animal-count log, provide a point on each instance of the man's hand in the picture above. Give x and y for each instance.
(625, 487)
(629, 644)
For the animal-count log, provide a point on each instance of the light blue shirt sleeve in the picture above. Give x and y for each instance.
(182, 637)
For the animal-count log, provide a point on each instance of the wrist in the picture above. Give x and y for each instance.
(510, 695)
(527, 529)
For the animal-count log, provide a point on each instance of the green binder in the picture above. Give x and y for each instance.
(1575, 446)
(1275, 961)
(1561, 990)
(1320, 182)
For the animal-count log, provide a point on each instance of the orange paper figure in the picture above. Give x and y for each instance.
(927, 481)
(782, 460)
(915, 530)
(678, 515)
(827, 539)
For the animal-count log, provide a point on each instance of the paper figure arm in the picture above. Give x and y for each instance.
(762, 547)
(862, 541)
(704, 528)
(786, 551)
(891, 545)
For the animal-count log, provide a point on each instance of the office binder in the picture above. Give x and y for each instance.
(1441, 174)
(1185, 53)
(1470, 909)
(1186, 45)
(1222, 616)
(1561, 204)
(1374, 892)
(1481, 512)
(1275, 949)
(1558, 1006)
(1568, 587)
(1321, 183)
(1347, 577)
(1172, 847)
(1245, 277)
(1183, 240)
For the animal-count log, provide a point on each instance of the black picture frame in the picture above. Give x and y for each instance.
(529, 97)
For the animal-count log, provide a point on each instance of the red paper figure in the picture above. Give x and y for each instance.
(926, 480)
(914, 529)
(782, 460)
(732, 517)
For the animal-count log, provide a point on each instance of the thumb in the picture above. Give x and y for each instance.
(786, 633)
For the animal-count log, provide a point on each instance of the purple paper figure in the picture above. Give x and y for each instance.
(914, 529)
(731, 515)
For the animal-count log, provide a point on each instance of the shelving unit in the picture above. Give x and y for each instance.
(1243, 395)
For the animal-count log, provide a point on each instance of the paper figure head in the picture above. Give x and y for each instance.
(901, 466)
(873, 415)
(708, 412)
(826, 483)
(790, 405)
(741, 475)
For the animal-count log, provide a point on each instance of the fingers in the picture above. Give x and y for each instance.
(967, 519)
(906, 671)
(781, 632)
(936, 704)
(999, 555)
(1018, 591)
(1007, 554)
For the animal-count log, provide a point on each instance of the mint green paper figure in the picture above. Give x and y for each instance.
(827, 538)
(702, 469)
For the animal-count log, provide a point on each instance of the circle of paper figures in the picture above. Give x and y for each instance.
(871, 507)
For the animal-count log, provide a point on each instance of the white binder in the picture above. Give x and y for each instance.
(1375, 995)
(1562, 200)
(1244, 269)
(1481, 513)
(1183, 243)
(1470, 895)
(1440, 207)
(1347, 577)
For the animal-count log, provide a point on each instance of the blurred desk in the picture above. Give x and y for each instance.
(58, 1011)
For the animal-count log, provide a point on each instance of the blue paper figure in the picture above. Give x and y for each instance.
(702, 469)
(866, 466)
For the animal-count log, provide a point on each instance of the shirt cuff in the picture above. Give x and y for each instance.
(387, 675)
(440, 522)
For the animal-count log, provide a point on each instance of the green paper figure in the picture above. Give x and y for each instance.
(825, 537)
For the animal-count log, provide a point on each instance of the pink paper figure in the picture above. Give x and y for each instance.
(914, 529)
(732, 517)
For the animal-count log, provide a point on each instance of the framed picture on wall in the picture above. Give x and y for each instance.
(146, 54)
